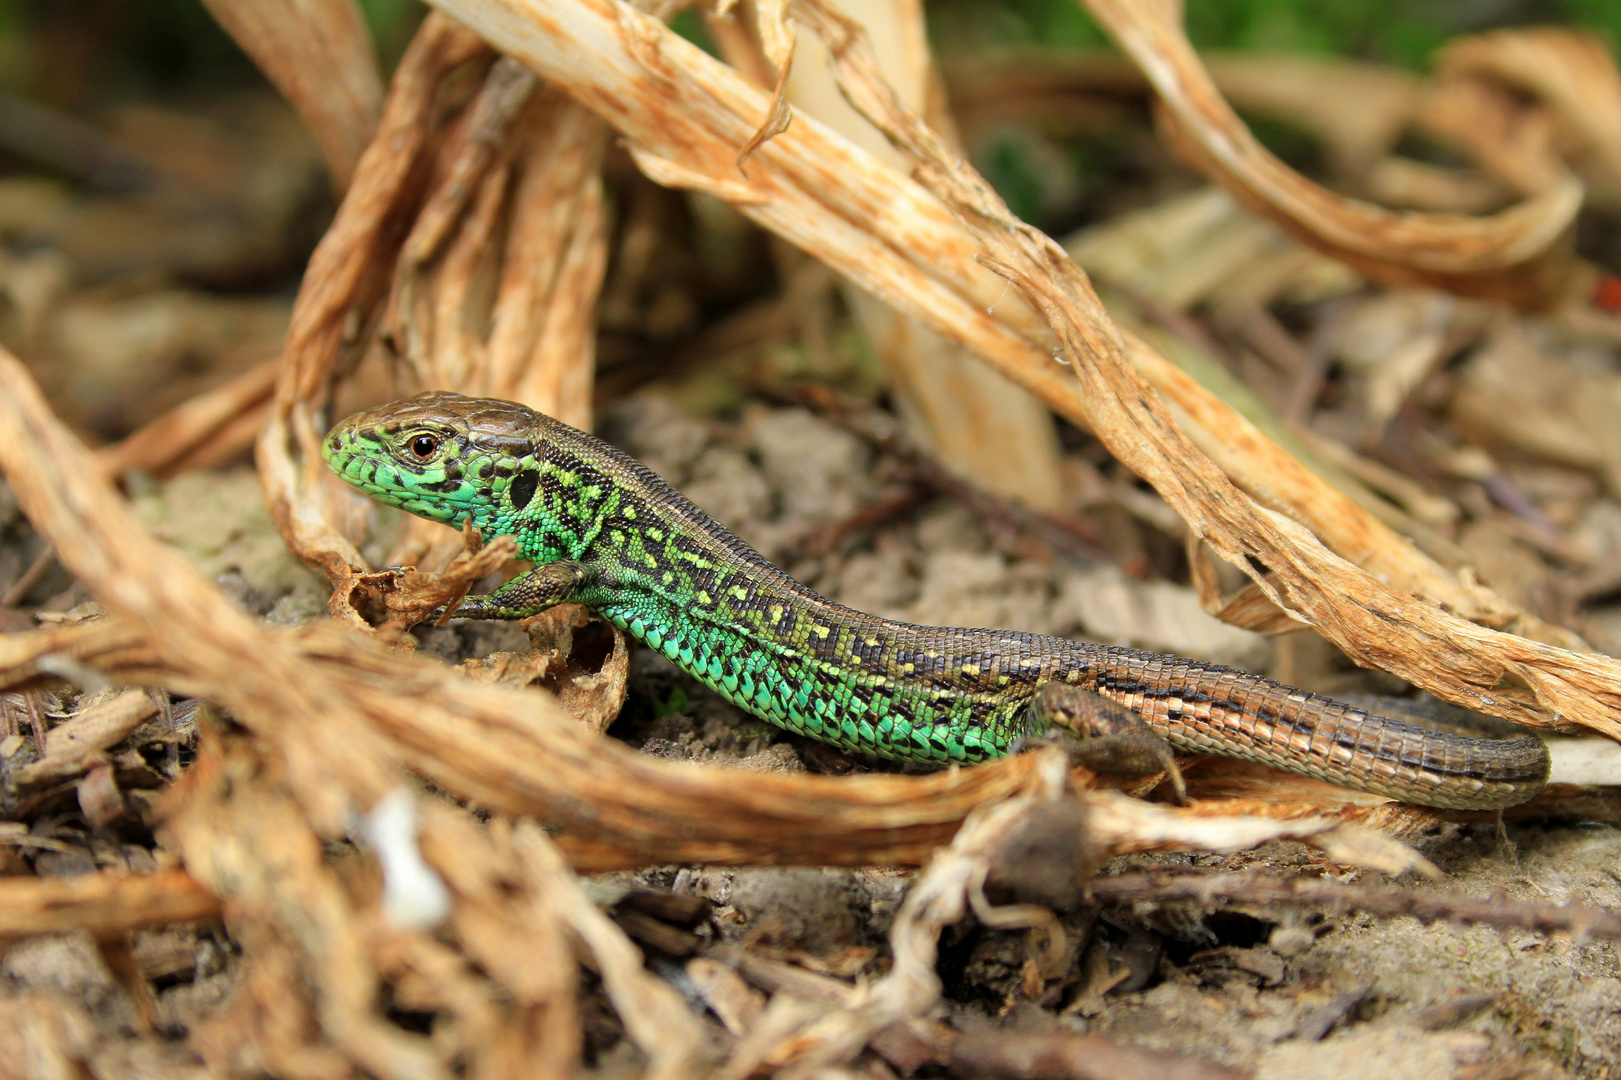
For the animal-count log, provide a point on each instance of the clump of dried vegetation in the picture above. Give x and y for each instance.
(1400, 428)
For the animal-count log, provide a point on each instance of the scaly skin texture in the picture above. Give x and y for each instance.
(606, 532)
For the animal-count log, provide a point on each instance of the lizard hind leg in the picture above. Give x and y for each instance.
(1103, 735)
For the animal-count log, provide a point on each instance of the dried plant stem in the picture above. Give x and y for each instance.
(1573, 72)
(75, 745)
(685, 115)
(253, 816)
(1521, 255)
(542, 345)
(972, 418)
(208, 427)
(1376, 625)
(941, 896)
(103, 904)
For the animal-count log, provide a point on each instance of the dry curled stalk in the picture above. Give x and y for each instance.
(1522, 255)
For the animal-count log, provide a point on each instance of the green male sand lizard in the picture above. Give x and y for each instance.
(605, 532)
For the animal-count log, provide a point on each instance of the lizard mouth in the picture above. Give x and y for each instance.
(368, 454)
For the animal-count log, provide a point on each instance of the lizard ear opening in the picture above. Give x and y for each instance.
(523, 488)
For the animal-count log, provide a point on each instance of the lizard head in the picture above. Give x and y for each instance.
(444, 457)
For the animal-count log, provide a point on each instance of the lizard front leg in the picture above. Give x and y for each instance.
(528, 594)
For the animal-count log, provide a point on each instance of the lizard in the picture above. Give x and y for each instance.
(604, 531)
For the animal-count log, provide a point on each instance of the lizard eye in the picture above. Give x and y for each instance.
(423, 446)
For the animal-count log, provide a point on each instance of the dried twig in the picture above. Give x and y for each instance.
(75, 745)
(42, 564)
(347, 277)
(1573, 72)
(972, 418)
(202, 430)
(940, 896)
(103, 904)
(1373, 623)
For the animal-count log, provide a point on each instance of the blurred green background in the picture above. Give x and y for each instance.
(82, 56)
(49, 47)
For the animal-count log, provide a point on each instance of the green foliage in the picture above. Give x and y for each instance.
(1603, 16)
(690, 25)
(1013, 171)
(1403, 32)
(383, 15)
(1393, 31)
(392, 23)
(1062, 23)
